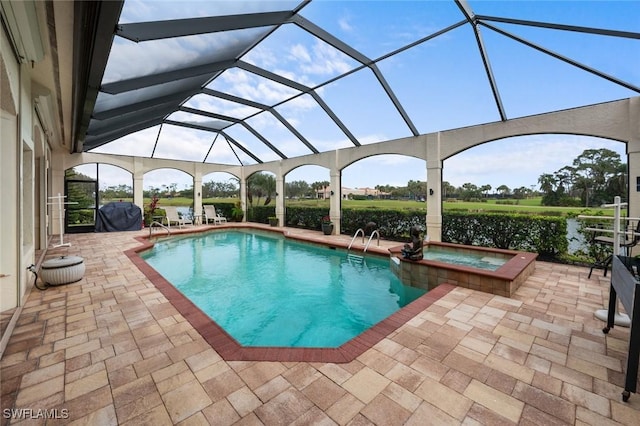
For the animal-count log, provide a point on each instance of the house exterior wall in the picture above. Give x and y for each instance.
(8, 212)
(24, 165)
(9, 176)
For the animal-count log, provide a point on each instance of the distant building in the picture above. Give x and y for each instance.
(325, 193)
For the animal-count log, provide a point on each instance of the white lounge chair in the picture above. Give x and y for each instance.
(210, 215)
(174, 217)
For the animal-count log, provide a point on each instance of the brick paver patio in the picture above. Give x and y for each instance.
(111, 349)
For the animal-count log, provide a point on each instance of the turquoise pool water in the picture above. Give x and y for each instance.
(265, 290)
(454, 257)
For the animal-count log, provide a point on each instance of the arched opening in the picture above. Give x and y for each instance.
(220, 186)
(115, 184)
(549, 173)
(553, 169)
(167, 187)
(220, 197)
(261, 195)
(89, 187)
(390, 177)
(306, 183)
(382, 182)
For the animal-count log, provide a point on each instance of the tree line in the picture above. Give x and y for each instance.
(593, 178)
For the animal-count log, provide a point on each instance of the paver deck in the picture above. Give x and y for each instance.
(112, 349)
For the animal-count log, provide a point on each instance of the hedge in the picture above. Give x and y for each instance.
(545, 235)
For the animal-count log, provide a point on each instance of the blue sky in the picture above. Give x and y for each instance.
(441, 83)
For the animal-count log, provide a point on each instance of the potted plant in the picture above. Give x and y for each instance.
(236, 212)
(327, 225)
(273, 221)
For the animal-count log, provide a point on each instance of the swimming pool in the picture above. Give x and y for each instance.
(266, 290)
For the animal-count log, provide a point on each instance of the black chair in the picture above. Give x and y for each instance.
(627, 244)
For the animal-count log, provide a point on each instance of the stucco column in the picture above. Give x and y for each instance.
(138, 190)
(633, 163)
(197, 194)
(280, 198)
(434, 189)
(138, 180)
(335, 198)
(633, 150)
(243, 195)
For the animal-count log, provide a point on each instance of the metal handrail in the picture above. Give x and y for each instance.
(360, 230)
(375, 232)
(606, 217)
(158, 224)
(610, 231)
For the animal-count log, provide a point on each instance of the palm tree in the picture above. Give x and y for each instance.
(317, 186)
(447, 189)
(547, 182)
(503, 190)
(261, 185)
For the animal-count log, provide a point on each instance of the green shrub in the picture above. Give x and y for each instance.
(81, 217)
(305, 217)
(541, 234)
(261, 214)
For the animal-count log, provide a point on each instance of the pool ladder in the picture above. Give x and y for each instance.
(361, 231)
(356, 257)
(156, 224)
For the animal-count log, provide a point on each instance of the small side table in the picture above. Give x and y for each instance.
(197, 219)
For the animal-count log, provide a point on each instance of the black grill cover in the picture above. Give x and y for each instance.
(119, 216)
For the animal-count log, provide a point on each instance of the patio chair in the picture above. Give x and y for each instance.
(210, 215)
(631, 239)
(174, 217)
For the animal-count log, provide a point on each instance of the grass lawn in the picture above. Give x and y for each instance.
(526, 206)
(529, 206)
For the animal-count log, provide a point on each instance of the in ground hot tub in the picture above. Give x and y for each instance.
(428, 273)
(62, 270)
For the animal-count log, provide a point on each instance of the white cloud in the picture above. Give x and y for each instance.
(300, 53)
(218, 177)
(158, 178)
(139, 144)
(325, 60)
(127, 59)
(344, 24)
(243, 84)
(262, 56)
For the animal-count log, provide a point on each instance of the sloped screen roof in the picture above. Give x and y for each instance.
(237, 82)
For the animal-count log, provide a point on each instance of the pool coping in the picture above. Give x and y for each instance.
(229, 348)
